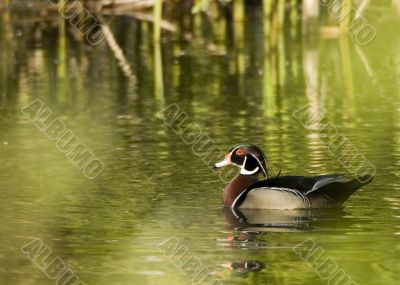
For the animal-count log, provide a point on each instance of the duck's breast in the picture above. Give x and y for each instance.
(274, 198)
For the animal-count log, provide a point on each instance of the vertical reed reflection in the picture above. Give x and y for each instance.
(201, 46)
(62, 79)
(158, 74)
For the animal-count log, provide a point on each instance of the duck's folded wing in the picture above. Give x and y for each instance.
(296, 186)
(334, 189)
(303, 184)
(339, 190)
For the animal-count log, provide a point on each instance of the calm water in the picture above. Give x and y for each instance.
(238, 88)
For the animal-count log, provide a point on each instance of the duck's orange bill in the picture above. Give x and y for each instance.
(225, 162)
(227, 265)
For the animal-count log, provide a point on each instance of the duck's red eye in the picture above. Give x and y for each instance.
(240, 151)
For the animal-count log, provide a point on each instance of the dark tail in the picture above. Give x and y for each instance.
(337, 192)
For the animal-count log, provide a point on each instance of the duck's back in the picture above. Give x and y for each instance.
(290, 192)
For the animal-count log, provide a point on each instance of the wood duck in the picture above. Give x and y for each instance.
(246, 191)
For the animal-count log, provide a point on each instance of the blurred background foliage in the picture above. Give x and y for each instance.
(221, 28)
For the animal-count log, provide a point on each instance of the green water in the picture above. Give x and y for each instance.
(238, 87)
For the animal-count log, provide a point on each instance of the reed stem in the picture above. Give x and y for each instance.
(62, 92)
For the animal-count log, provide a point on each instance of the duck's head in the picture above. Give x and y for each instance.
(249, 158)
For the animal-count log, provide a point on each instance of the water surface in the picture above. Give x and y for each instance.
(154, 187)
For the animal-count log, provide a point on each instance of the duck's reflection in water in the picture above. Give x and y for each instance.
(238, 239)
(247, 225)
(267, 220)
(268, 236)
(298, 220)
(243, 267)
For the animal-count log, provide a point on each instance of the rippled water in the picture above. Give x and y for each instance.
(154, 188)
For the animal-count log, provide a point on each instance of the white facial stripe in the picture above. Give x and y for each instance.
(244, 162)
(262, 168)
(246, 172)
(233, 150)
